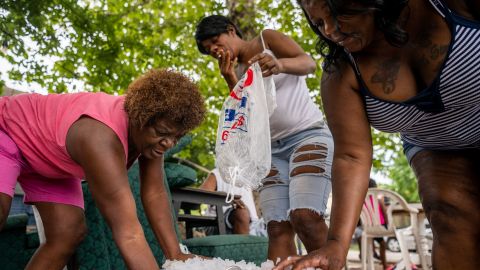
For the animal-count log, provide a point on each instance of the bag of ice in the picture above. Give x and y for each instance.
(198, 263)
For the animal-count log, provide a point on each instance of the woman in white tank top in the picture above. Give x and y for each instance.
(294, 195)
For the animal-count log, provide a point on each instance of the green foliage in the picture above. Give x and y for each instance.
(405, 182)
(389, 160)
(105, 44)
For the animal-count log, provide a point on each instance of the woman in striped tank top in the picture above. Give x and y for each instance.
(410, 67)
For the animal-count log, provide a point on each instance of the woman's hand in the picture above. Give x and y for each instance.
(184, 257)
(238, 203)
(269, 64)
(227, 67)
(329, 257)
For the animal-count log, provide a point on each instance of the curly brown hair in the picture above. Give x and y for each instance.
(164, 94)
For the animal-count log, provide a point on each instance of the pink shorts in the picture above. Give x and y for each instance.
(37, 188)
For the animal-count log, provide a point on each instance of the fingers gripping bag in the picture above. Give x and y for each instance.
(243, 153)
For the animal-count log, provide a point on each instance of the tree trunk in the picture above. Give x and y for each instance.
(242, 13)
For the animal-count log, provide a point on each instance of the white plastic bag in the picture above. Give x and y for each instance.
(243, 153)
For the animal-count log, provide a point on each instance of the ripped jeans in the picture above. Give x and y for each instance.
(300, 176)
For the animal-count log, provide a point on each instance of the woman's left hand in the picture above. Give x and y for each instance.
(329, 257)
(238, 203)
(184, 257)
(269, 64)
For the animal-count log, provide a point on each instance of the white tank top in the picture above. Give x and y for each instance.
(246, 193)
(295, 110)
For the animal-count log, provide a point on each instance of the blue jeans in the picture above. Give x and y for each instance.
(285, 190)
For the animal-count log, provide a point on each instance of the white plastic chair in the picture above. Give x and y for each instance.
(40, 229)
(372, 227)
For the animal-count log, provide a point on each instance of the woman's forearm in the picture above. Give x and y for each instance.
(349, 184)
(134, 248)
(300, 65)
(159, 215)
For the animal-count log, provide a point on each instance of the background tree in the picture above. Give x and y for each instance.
(102, 45)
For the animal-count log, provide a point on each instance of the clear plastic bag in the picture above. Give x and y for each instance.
(243, 153)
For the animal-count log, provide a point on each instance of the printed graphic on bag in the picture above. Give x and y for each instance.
(243, 154)
(236, 117)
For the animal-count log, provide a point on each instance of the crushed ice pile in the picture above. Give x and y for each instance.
(214, 264)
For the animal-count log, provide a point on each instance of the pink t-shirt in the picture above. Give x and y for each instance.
(38, 124)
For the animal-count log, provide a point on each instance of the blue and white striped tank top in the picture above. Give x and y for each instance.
(445, 115)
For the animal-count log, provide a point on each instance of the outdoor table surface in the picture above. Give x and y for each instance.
(200, 196)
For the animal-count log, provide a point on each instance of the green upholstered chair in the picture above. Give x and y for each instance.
(230, 246)
(15, 244)
(98, 250)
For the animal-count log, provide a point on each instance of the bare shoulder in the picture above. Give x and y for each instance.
(339, 78)
(282, 45)
(270, 33)
(271, 37)
(87, 137)
(340, 95)
(345, 112)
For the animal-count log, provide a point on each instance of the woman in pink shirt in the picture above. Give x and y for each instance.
(49, 143)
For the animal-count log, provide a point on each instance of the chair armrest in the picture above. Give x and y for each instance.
(16, 221)
(405, 208)
(412, 210)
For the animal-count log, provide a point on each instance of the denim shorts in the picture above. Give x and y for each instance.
(410, 150)
(281, 192)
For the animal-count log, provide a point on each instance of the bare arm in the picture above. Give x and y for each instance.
(350, 172)
(157, 207)
(352, 159)
(290, 57)
(100, 153)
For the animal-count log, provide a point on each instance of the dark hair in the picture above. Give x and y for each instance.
(212, 26)
(164, 94)
(387, 13)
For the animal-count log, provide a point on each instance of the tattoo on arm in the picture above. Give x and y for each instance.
(386, 74)
(437, 51)
(431, 54)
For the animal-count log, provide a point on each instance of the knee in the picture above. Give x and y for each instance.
(444, 216)
(242, 216)
(68, 237)
(281, 231)
(306, 221)
(80, 232)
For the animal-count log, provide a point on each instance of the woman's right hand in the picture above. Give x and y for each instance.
(330, 257)
(227, 67)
